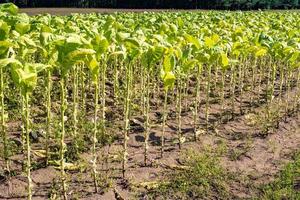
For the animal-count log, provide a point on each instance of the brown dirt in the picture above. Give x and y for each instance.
(67, 11)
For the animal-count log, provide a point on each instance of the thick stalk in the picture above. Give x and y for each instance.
(274, 69)
(288, 85)
(75, 106)
(216, 79)
(298, 88)
(62, 137)
(143, 103)
(116, 81)
(83, 92)
(222, 94)
(164, 123)
(3, 125)
(126, 113)
(28, 150)
(253, 82)
(207, 95)
(185, 84)
(48, 119)
(103, 94)
(268, 81)
(197, 100)
(179, 132)
(147, 125)
(270, 99)
(281, 70)
(241, 86)
(23, 134)
(233, 83)
(95, 131)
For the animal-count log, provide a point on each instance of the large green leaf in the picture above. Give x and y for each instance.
(9, 8)
(7, 61)
(4, 30)
(4, 46)
(168, 63)
(94, 68)
(168, 79)
(224, 60)
(192, 40)
(22, 28)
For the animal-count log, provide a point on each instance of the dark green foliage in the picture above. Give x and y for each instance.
(185, 4)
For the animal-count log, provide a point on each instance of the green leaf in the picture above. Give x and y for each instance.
(192, 40)
(224, 60)
(22, 28)
(9, 8)
(38, 67)
(7, 61)
(4, 30)
(190, 64)
(79, 54)
(100, 45)
(94, 68)
(132, 43)
(122, 36)
(209, 42)
(261, 52)
(294, 56)
(4, 46)
(169, 80)
(168, 63)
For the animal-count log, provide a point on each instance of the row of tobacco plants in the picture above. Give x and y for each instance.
(77, 63)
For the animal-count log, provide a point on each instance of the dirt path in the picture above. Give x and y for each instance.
(67, 11)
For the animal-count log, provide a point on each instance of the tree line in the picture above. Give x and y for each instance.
(168, 4)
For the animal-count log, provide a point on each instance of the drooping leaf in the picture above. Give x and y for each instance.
(9, 8)
(261, 52)
(192, 40)
(224, 60)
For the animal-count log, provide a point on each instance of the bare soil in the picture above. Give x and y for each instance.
(67, 11)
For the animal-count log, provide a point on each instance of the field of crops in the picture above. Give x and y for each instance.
(164, 105)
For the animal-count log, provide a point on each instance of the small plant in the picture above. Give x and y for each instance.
(201, 177)
(287, 183)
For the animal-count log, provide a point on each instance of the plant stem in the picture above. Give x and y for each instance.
(3, 125)
(288, 85)
(95, 131)
(23, 134)
(127, 115)
(48, 120)
(253, 82)
(233, 83)
(75, 105)
(164, 123)
(62, 137)
(179, 132)
(298, 88)
(28, 165)
(241, 86)
(83, 89)
(207, 95)
(223, 94)
(147, 126)
(116, 81)
(103, 90)
(197, 100)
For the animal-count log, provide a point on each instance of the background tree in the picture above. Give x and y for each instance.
(169, 4)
